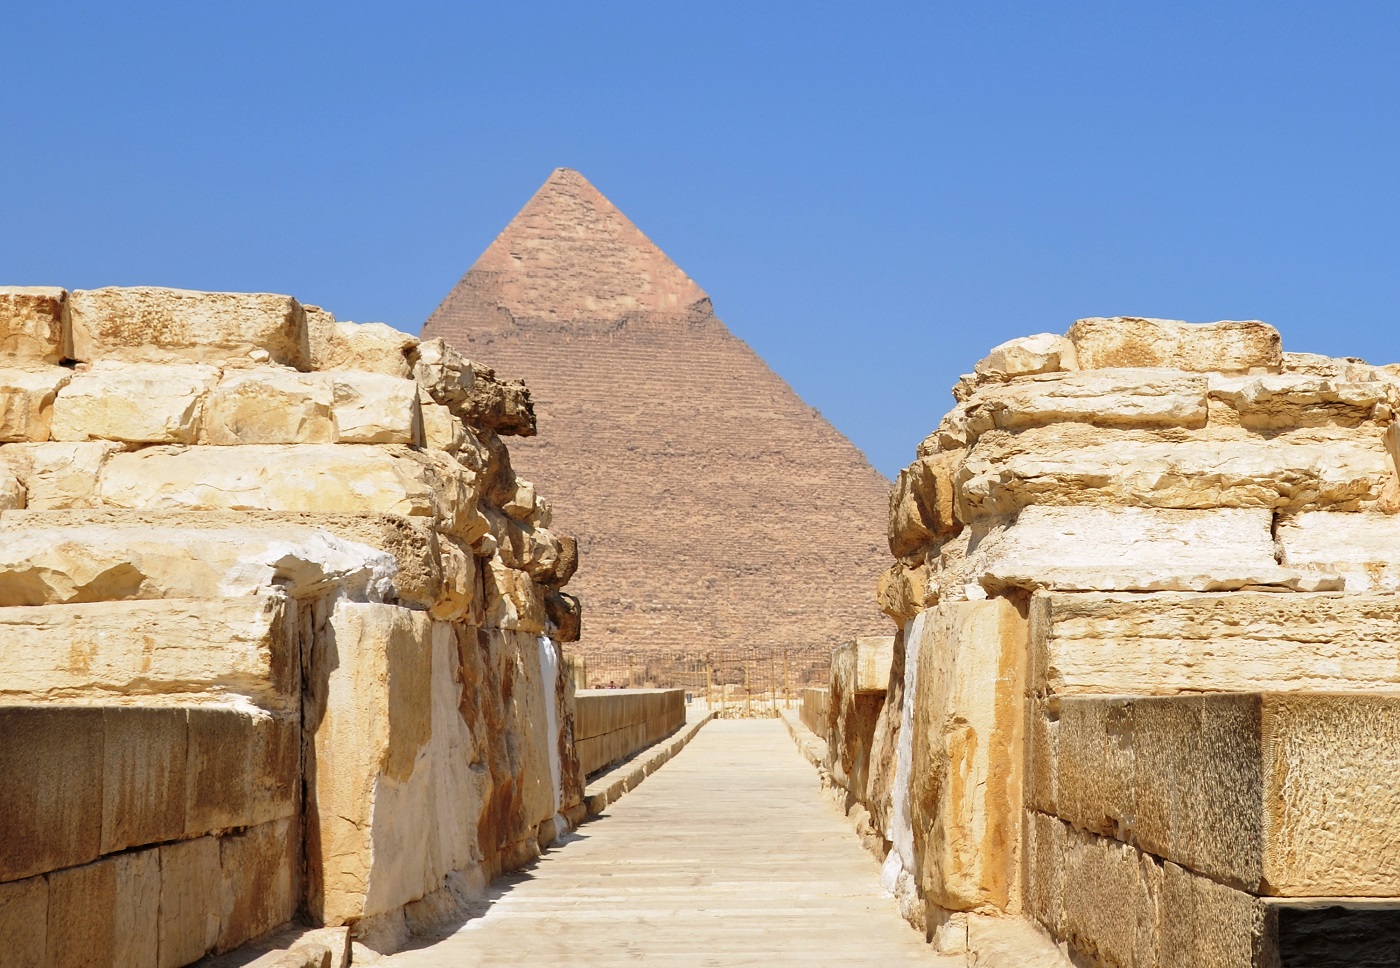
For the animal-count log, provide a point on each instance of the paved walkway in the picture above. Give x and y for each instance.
(728, 855)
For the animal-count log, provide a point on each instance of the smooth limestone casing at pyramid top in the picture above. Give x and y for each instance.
(717, 512)
(1146, 594)
(272, 607)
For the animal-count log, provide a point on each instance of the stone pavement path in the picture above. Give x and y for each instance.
(728, 855)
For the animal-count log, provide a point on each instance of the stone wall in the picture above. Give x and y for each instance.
(1142, 690)
(279, 625)
(612, 724)
(815, 704)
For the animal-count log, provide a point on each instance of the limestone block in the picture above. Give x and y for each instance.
(82, 908)
(442, 429)
(1072, 464)
(59, 475)
(26, 402)
(922, 504)
(1044, 870)
(1167, 643)
(268, 405)
(1111, 898)
(1041, 353)
(113, 562)
(901, 591)
(190, 900)
(1209, 925)
(564, 615)
(12, 496)
(1111, 398)
(145, 753)
(371, 673)
(536, 551)
(1223, 347)
(324, 478)
(34, 323)
(473, 392)
(218, 553)
(1042, 754)
(24, 914)
(1287, 401)
(147, 324)
(52, 795)
(1280, 794)
(1364, 549)
(1140, 549)
(966, 788)
(371, 408)
(522, 503)
(258, 868)
(513, 601)
(455, 493)
(461, 581)
(210, 648)
(137, 914)
(371, 347)
(860, 672)
(135, 403)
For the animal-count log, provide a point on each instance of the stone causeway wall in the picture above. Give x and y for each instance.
(279, 627)
(1144, 688)
(612, 724)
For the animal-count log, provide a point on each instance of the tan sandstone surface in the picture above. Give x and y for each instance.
(1144, 687)
(277, 618)
(666, 441)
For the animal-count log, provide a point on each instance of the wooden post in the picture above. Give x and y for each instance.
(748, 693)
(787, 683)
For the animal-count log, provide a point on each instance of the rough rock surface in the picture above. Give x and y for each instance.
(1176, 707)
(276, 629)
(665, 439)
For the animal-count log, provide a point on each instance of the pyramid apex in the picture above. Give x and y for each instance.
(569, 256)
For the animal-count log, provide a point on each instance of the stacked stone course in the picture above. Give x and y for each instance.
(1144, 688)
(274, 609)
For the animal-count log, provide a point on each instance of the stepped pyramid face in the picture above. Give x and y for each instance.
(716, 512)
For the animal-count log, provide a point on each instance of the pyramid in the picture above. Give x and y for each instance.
(717, 514)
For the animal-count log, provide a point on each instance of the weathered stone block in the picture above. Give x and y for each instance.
(860, 673)
(473, 392)
(564, 614)
(208, 648)
(371, 408)
(324, 478)
(243, 769)
(113, 562)
(134, 403)
(24, 916)
(372, 670)
(259, 881)
(191, 899)
(52, 795)
(1364, 549)
(1288, 401)
(203, 554)
(145, 752)
(1117, 398)
(34, 323)
(1280, 794)
(1138, 549)
(59, 475)
(1166, 643)
(26, 402)
(1027, 355)
(1209, 925)
(151, 324)
(373, 347)
(1112, 895)
(966, 788)
(922, 504)
(513, 601)
(82, 912)
(137, 914)
(1223, 347)
(1074, 464)
(267, 405)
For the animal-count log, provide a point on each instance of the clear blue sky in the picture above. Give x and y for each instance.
(872, 194)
